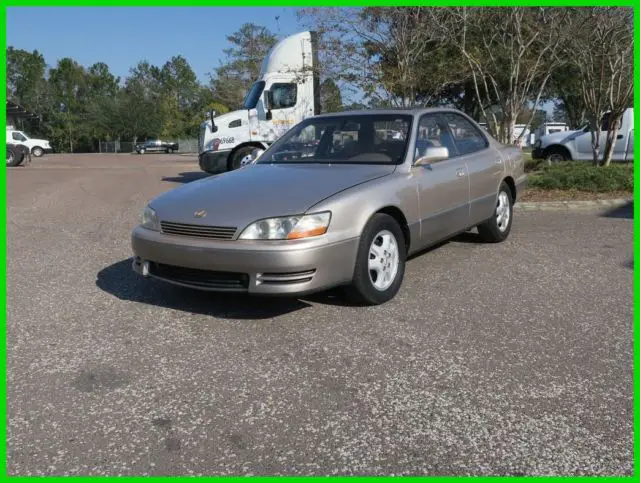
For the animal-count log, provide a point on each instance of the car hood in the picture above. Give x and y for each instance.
(559, 137)
(240, 197)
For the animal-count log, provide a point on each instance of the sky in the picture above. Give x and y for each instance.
(122, 36)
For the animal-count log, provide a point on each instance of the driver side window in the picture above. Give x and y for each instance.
(284, 95)
(18, 137)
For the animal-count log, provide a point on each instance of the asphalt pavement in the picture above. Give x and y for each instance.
(508, 359)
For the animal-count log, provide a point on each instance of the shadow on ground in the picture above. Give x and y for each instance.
(624, 211)
(122, 282)
(186, 177)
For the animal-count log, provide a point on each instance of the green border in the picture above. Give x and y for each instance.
(291, 3)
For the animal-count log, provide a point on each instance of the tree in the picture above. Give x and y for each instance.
(601, 48)
(69, 88)
(511, 53)
(565, 92)
(330, 97)
(232, 79)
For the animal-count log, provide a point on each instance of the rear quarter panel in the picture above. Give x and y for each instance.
(514, 167)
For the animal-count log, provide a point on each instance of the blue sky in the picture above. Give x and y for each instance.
(122, 36)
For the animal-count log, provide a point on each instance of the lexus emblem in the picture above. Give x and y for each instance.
(200, 214)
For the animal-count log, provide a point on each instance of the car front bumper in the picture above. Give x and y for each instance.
(266, 268)
(213, 162)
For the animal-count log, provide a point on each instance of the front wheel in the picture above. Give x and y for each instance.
(380, 262)
(497, 228)
(141, 151)
(555, 155)
(37, 151)
(236, 161)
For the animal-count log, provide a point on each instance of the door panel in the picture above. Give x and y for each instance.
(443, 186)
(485, 165)
(444, 199)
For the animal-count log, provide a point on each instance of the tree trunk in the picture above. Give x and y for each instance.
(612, 133)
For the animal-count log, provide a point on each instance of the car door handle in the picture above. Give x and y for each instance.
(619, 136)
(460, 173)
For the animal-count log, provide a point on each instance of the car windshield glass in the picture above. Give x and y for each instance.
(344, 139)
(252, 97)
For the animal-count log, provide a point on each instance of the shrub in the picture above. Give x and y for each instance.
(583, 176)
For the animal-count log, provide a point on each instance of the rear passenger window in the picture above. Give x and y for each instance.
(467, 137)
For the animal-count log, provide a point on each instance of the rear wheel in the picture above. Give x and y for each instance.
(142, 150)
(497, 228)
(380, 262)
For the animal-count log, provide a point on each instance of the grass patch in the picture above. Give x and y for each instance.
(583, 176)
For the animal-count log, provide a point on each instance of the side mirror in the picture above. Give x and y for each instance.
(432, 155)
(268, 102)
(212, 114)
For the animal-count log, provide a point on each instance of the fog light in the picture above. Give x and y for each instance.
(145, 269)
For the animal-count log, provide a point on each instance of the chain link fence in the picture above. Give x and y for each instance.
(184, 146)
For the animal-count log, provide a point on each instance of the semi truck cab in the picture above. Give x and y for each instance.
(286, 92)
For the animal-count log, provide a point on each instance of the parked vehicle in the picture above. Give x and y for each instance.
(286, 92)
(318, 210)
(156, 146)
(576, 145)
(17, 154)
(37, 147)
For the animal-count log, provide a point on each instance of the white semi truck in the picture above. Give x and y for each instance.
(286, 92)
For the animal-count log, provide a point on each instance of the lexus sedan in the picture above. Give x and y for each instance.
(332, 204)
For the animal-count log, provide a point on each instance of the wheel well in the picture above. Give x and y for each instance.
(240, 146)
(512, 187)
(397, 215)
(557, 148)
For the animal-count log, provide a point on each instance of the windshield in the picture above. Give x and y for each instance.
(344, 139)
(252, 97)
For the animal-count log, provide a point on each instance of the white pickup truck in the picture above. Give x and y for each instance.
(576, 145)
(37, 147)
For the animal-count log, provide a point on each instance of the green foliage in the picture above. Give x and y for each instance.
(233, 79)
(330, 97)
(583, 176)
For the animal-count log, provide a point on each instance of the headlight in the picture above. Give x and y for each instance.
(150, 219)
(288, 228)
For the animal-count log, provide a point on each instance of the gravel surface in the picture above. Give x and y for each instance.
(504, 359)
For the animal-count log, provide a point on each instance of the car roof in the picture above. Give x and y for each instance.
(417, 111)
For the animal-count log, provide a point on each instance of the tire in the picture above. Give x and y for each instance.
(141, 151)
(37, 151)
(366, 287)
(234, 162)
(14, 157)
(555, 155)
(496, 229)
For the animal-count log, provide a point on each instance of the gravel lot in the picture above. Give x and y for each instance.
(494, 359)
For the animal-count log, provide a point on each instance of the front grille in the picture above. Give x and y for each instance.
(200, 231)
(206, 279)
